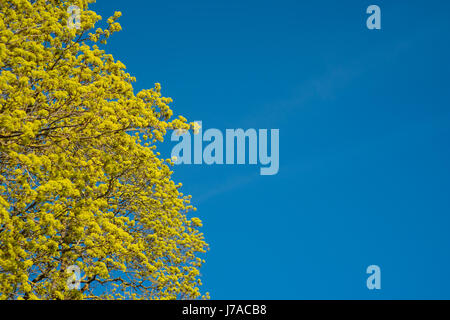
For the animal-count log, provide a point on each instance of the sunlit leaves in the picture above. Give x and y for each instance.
(80, 180)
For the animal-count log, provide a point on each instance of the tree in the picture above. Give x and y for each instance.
(81, 185)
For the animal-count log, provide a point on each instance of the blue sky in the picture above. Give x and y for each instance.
(364, 119)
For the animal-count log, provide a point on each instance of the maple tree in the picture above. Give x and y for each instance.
(81, 183)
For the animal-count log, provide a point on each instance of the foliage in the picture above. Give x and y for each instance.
(80, 180)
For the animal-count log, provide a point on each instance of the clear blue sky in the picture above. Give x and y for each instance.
(364, 119)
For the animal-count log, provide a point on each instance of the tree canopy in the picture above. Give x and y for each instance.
(81, 183)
